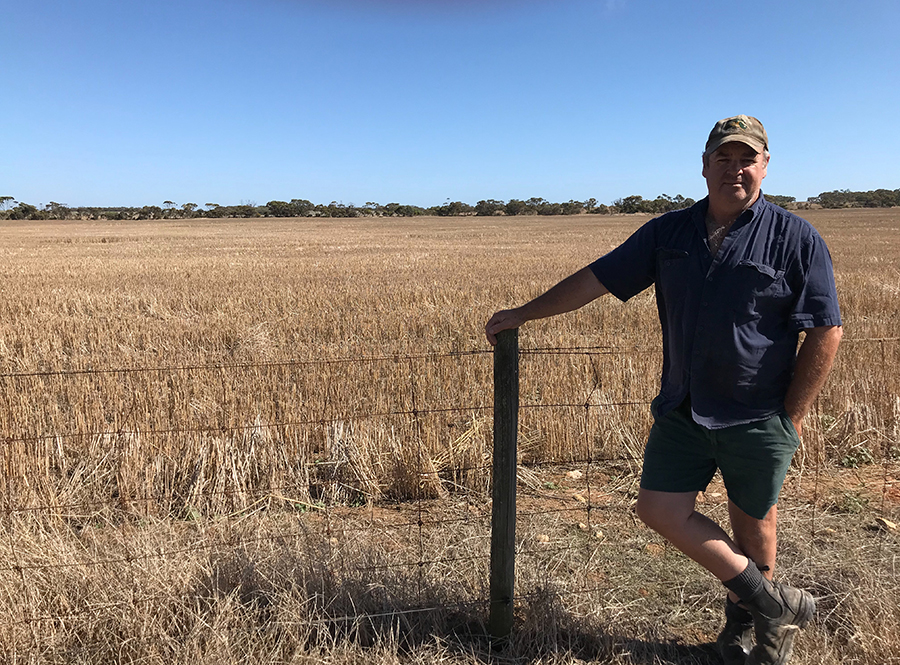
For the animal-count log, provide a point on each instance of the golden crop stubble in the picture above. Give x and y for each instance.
(243, 296)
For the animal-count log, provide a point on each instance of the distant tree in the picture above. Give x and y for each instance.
(337, 209)
(451, 209)
(189, 209)
(548, 208)
(534, 204)
(243, 210)
(24, 211)
(302, 207)
(489, 207)
(630, 204)
(516, 207)
(410, 211)
(56, 210)
(662, 203)
(150, 212)
(279, 209)
(6, 202)
(571, 207)
(680, 202)
(783, 201)
(590, 205)
(460, 208)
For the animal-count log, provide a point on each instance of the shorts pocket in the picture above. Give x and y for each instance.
(789, 428)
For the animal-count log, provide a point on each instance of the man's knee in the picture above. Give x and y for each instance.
(662, 511)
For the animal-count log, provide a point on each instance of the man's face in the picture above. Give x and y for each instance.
(734, 174)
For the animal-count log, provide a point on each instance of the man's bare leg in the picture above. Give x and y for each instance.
(672, 515)
(757, 539)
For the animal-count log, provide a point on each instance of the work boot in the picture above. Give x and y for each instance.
(735, 640)
(775, 634)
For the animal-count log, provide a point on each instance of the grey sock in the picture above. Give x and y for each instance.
(753, 590)
(747, 584)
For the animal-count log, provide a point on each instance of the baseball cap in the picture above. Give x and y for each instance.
(743, 128)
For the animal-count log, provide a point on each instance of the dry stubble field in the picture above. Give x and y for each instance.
(267, 441)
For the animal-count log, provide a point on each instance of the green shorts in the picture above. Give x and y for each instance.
(682, 456)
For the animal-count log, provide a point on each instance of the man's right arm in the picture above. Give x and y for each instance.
(573, 292)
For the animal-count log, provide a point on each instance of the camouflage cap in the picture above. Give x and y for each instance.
(743, 128)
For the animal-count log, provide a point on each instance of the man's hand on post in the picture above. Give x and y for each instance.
(505, 319)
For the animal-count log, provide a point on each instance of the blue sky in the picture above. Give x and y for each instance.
(119, 102)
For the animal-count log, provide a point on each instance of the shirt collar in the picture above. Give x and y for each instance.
(758, 206)
(698, 212)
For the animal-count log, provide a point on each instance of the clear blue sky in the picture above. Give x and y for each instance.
(119, 102)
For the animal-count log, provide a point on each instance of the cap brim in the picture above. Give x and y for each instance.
(746, 140)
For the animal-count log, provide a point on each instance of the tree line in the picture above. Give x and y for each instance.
(12, 209)
(844, 198)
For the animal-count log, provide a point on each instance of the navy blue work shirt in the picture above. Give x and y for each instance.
(730, 324)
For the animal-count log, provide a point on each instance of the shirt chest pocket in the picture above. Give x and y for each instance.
(757, 290)
(760, 279)
(671, 273)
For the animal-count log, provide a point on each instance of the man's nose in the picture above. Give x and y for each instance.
(734, 166)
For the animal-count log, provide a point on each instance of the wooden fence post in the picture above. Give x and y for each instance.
(503, 491)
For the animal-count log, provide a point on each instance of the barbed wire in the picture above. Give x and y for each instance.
(480, 603)
(232, 543)
(152, 432)
(395, 358)
(319, 421)
(615, 349)
(274, 492)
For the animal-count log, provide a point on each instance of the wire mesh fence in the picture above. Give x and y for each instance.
(354, 486)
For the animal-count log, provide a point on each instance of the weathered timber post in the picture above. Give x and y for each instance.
(503, 492)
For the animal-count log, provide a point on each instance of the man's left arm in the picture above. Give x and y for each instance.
(814, 361)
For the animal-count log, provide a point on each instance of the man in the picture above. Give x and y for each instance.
(737, 279)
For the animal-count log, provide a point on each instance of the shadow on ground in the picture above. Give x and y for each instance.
(314, 607)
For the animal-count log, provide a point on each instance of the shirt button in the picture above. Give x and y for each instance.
(705, 304)
(699, 328)
(709, 279)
